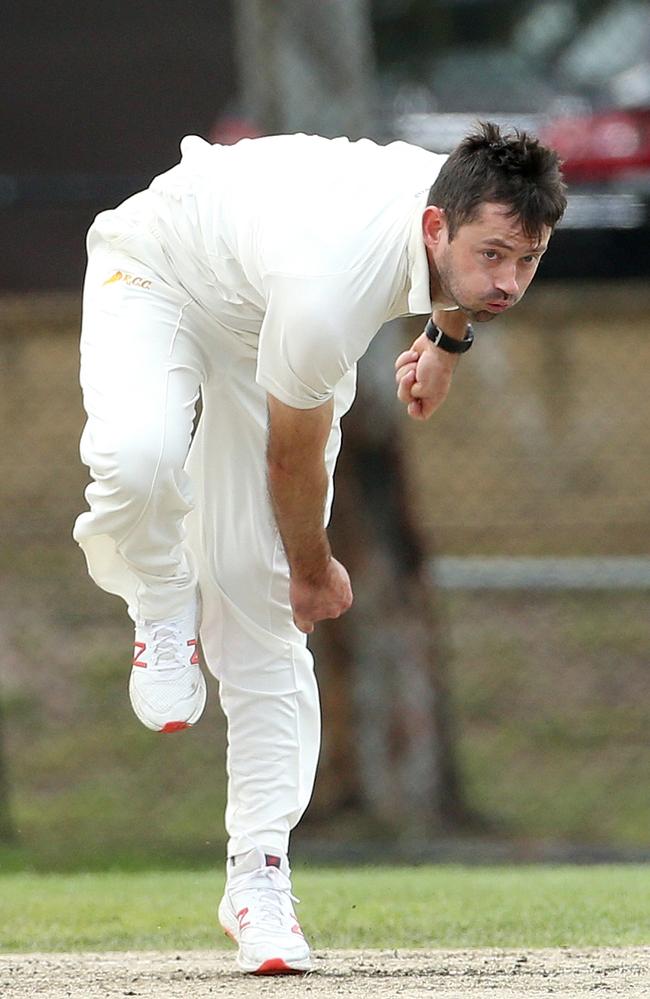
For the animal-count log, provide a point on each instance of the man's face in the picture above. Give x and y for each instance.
(487, 266)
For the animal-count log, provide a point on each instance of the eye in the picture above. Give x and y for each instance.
(490, 254)
(530, 258)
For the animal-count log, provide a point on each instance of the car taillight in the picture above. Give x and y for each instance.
(599, 147)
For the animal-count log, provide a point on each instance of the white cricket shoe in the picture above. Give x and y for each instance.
(257, 913)
(167, 688)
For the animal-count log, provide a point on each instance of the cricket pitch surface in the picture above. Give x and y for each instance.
(476, 974)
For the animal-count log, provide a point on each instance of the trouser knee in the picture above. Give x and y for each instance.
(133, 474)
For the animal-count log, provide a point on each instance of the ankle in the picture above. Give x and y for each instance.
(255, 859)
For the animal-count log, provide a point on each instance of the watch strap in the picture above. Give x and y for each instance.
(448, 343)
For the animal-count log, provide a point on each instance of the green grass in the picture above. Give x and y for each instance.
(552, 705)
(445, 907)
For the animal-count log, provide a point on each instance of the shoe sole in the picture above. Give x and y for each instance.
(272, 966)
(170, 726)
(276, 966)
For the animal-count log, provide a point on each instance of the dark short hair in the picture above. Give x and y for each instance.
(514, 169)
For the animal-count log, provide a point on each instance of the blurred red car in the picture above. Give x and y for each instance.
(603, 146)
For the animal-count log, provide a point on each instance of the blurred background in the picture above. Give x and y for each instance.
(489, 695)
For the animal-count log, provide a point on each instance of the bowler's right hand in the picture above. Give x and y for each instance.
(423, 375)
(315, 599)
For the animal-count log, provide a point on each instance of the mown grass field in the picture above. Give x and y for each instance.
(428, 907)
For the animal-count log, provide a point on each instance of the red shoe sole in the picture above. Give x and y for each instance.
(276, 966)
(175, 726)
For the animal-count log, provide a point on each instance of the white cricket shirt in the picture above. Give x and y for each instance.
(303, 246)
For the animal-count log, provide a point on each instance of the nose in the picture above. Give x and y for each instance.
(506, 281)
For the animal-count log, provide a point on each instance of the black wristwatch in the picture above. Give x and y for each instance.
(440, 339)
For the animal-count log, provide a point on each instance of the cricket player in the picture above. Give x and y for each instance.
(254, 277)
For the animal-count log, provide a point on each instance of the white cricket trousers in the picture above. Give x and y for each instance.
(162, 522)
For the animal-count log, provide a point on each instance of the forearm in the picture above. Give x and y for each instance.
(298, 484)
(298, 492)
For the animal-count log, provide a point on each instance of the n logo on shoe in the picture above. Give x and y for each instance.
(194, 660)
(138, 649)
(241, 916)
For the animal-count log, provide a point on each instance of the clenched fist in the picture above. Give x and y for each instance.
(423, 373)
(327, 596)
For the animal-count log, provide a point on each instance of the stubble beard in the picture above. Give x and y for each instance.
(450, 291)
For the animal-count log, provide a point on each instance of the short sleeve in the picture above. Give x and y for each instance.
(314, 331)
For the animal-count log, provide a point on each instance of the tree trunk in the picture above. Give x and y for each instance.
(306, 65)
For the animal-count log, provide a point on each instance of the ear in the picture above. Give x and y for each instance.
(434, 225)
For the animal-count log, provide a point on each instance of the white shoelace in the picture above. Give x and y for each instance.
(273, 888)
(167, 648)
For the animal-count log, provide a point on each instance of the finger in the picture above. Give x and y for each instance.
(419, 390)
(404, 370)
(425, 408)
(404, 393)
(305, 626)
(406, 357)
(425, 405)
(415, 410)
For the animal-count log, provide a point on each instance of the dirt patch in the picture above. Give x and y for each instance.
(478, 974)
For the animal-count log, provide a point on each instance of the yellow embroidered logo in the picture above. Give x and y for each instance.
(132, 279)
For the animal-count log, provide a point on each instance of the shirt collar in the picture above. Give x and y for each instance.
(419, 293)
